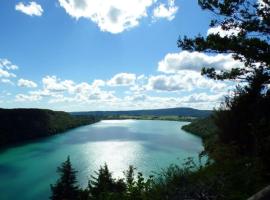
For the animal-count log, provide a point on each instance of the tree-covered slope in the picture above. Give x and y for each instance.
(190, 112)
(203, 127)
(17, 125)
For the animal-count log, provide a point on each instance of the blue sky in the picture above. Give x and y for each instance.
(105, 55)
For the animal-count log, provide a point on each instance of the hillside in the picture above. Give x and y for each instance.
(204, 127)
(186, 112)
(17, 125)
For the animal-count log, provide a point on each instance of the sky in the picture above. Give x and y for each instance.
(85, 55)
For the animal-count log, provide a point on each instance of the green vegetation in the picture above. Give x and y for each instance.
(242, 142)
(204, 127)
(66, 187)
(172, 183)
(228, 181)
(185, 112)
(151, 117)
(19, 125)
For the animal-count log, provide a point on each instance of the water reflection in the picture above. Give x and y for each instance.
(148, 145)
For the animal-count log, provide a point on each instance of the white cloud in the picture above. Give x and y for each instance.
(113, 16)
(7, 81)
(5, 63)
(167, 12)
(5, 69)
(52, 83)
(98, 83)
(175, 62)
(196, 100)
(5, 73)
(26, 83)
(184, 80)
(167, 83)
(122, 79)
(24, 97)
(202, 97)
(57, 90)
(223, 33)
(144, 92)
(32, 9)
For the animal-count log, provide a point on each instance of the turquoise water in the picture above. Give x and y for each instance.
(27, 171)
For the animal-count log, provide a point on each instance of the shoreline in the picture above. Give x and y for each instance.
(161, 118)
(28, 141)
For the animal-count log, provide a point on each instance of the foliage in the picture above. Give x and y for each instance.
(233, 180)
(171, 183)
(251, 19)
(104, 186)
(204, 127)
(243, 121)
(151, 117)
(18, 125)
(184, 112)
(241, 151)
(230, 180)
(66, 186)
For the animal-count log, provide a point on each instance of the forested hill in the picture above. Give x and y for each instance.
(186, 112)
(18, 125)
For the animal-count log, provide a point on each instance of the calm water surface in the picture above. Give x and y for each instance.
(27, 171)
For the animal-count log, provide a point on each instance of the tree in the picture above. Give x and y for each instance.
(66, 186)
(244, 118)
(104, 186)
(250, 21)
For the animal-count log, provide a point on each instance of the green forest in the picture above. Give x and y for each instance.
(20, 125)
(236, 136)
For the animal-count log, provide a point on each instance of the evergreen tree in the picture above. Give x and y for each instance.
(104, 186)
(244, 119)
(66, 186)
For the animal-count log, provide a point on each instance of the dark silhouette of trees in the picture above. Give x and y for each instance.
(251, 19)
(244, 119)
(66, 187)
(20, 125)
(104, 186)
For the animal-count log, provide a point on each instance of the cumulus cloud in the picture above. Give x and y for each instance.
(113, 16)
(57, 90)
(26, 83)
(122, 79)
(143, 92)
(5, 73)
(52, 83)
(184, 80)
(7, 81)
(6, 67)
(165, 11)
(32, 9)
(175, 62)
(167, 83)
(24, 97)
(5, 63)
(196, 100)
(202, 97)
(223, 33)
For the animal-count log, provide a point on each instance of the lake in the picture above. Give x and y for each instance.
(26, 171)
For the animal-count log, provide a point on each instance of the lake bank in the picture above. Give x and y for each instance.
(151, 117)
(22, 125)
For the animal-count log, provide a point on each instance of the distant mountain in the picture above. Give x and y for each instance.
(18, 125)
(186, 112)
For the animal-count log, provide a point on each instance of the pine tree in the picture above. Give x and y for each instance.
(244, 119)
(104, 186)
(66, 186)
